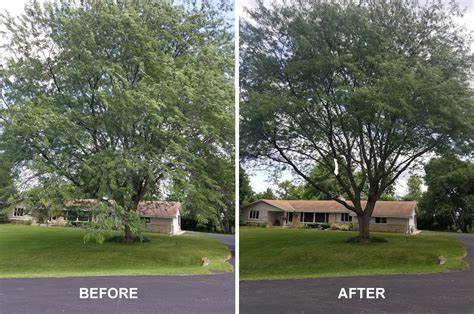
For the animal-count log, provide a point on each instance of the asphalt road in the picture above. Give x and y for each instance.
(451, 292)
(156, 294)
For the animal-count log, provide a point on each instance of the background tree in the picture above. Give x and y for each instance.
(449, 200)
(208, 195)
(115, 97)
(8, 190)
(290, 191)
(7, 184)
(245, 190)
(369, 88)
(414, 189)
(268, 194)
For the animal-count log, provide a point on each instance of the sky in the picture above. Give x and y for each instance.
(260, 180)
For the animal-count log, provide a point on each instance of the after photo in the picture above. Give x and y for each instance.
(356, 141)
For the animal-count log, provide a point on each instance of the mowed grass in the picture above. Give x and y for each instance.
(32, 251)
(300, 253)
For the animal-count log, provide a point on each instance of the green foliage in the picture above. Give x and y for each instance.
(48, 199)
(116, 98)
(369, 88)
(414, 189)
(449, 200)
(113, 217)
(208, 194)
(268, 194)
(290, 191)
(245, 190)
(8, 190)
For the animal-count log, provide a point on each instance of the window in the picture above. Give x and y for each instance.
(380, 220)
(308, 217)
(321, 217)
(18, 212)
(253, 214)
(147, 220)
(290, 217)
(346, 217)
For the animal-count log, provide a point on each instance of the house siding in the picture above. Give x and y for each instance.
(392, 225)
(263, 216)
(162, 225)
(20, 219)
(269, 214)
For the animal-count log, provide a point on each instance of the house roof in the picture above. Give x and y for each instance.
(401, 209)
(159, 209)
(83, 202)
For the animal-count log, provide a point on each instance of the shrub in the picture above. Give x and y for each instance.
(256, 224)
(335, 227)
(325, 226)
(341, 227)
(3, 217)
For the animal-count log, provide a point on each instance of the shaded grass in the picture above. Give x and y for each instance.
(32, 251)
(297, 253)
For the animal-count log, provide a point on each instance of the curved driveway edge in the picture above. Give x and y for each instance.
(227, 239)
(450, 292)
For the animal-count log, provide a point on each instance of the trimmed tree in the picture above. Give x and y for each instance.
(364, 91)
(115, 97)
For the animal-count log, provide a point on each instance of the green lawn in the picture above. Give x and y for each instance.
(32, 251)
(301, 253)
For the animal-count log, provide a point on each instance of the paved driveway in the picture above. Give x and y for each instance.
(451, 292)
(156, 294)
(228, 240)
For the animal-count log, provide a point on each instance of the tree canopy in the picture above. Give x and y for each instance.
(363, 90)
(449, 200)
(117, 98)
(414, 188)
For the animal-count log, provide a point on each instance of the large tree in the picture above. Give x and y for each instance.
(450, 194)
(363, 90)
(116, 97)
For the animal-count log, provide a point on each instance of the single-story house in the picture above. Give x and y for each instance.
(20, 214)
(392, 216)
(159, 216)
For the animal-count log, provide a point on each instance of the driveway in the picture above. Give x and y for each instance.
(451, 292)
(228, 240)
(156, 294)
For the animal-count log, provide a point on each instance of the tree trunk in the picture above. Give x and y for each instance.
(364, 225)
(127, 235)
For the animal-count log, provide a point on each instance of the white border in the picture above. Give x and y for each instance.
(237, 8)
